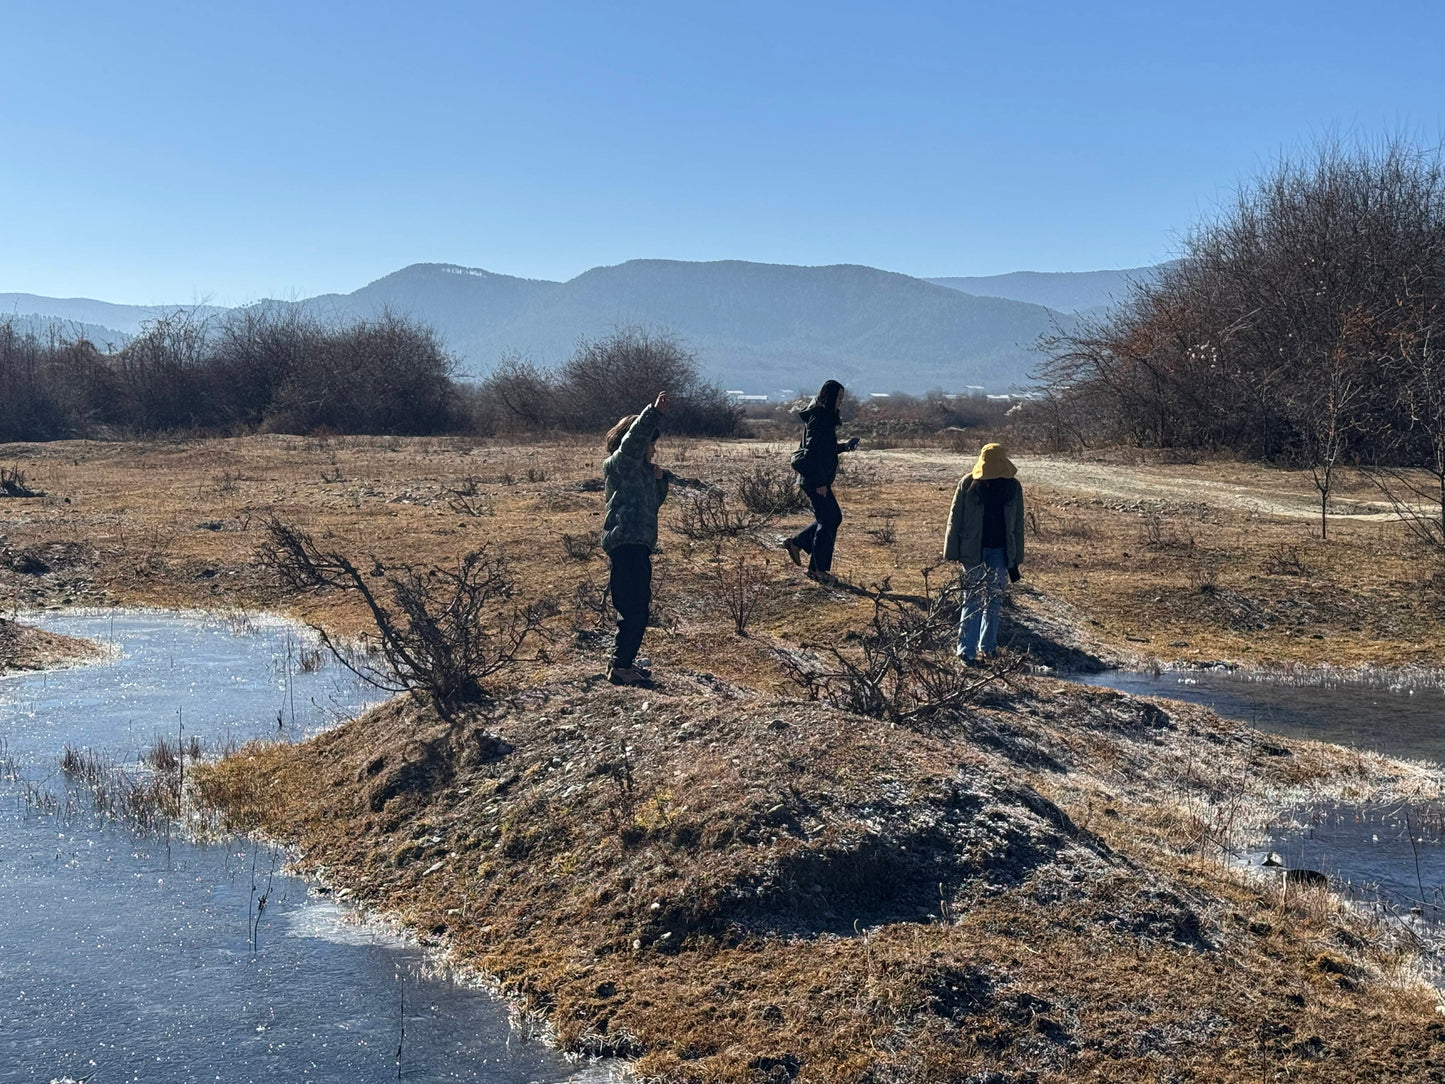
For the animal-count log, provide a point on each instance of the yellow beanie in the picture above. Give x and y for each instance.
(993, 463)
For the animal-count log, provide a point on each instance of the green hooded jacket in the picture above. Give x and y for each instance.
(632, 491)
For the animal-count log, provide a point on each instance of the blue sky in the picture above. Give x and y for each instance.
(176, 152)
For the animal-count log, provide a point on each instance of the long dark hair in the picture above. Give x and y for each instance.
(828, 395)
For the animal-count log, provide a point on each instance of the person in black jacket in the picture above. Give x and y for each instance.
(816, 462)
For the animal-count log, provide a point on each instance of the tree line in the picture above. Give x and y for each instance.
(1304, 324)
(281, 369)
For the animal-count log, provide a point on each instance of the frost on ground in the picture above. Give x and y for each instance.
(723, 885)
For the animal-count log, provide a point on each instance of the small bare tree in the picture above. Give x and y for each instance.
(441, 632)
(739, 583)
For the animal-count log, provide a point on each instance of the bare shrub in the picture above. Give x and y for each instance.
(1155, 534)
(580, 547)
(738, 584)
(465, 498)
(1203, 575)
(1286, 560)
(704, 516)
(441, 632)
(885, 535)
(771, 491)
(12, 484)
(606, 379)
(900, 667)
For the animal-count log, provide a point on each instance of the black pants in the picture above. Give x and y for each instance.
(817, 538)
(631, 587)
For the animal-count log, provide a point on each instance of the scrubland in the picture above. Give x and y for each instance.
(725, 881)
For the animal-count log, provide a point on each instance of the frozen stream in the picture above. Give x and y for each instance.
(126, 958)
(1393, 853)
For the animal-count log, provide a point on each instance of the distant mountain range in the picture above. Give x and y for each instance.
(1065, 291)
(754, 326)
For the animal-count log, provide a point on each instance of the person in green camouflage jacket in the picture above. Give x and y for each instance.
(634, 488)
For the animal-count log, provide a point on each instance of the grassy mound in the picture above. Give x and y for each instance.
(729, 887)
(23, 647)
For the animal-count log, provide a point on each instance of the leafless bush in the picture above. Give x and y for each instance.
(592, 606)
(580, 547)
(739, 583)
(465, 498)
(1204, 575)
(441, 632)
(1155, 534)
(1285, 560)
(885, 535)
(901, 667)
(606, 379)
(771, 491)
(1297, 326)
(12, 484)
(704, 515)
(1076, 527)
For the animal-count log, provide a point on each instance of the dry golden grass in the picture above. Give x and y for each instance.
(759, 900)
(1183, 571)
(1126, 951)
(26, 648)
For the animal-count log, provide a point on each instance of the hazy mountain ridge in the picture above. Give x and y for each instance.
(42, 327)
(1064, 291)
(754, 326)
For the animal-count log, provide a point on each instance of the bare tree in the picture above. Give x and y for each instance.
(1416, 491)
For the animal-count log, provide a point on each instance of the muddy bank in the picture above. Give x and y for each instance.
(727, 886)
(23, 647)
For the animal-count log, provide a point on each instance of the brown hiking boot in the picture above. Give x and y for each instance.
(795, 552)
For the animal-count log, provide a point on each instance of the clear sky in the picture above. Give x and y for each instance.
(178, 152)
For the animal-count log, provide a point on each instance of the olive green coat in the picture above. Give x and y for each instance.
(964, 540)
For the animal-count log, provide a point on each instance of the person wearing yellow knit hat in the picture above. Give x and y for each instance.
(986, 535)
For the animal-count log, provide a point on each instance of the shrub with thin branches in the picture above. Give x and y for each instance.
(771, 491)
(900, 667)
(441, 632)
(704, 516)
(739, 584)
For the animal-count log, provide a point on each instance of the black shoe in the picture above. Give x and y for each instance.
(627, 675)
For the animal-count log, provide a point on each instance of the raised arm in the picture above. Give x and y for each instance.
(642, 432)
(639, 434)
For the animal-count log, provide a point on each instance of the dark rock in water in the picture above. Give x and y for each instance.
(1273, 859)
(1306, 878)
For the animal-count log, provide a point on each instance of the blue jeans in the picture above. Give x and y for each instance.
(983, 586)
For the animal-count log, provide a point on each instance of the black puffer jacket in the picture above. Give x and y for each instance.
(817, 457)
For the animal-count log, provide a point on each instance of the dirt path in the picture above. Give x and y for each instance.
(1251, 489)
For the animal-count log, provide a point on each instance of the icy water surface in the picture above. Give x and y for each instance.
(132, 959)
(1393, 854)
(1400, 721)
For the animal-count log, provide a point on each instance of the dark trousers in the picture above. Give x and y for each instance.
(631, 587)
(817, 538)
